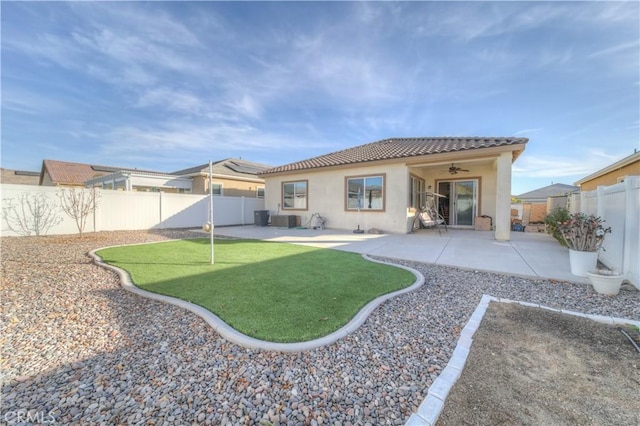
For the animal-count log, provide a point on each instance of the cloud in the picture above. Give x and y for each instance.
(614, 13)
(246, 105)
(146, 22)
(527, 131)
(553, 166)
(203, 77)
(31, 103)
(555, 57)
(132, 48)
(354, 72)
(172, 99)
(114, 43)
(471, 21)
(184, 138)
(622, 57)
(616, 49)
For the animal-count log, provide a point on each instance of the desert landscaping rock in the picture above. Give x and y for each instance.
(79, 348)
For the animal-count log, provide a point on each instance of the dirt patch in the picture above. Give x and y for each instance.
(534, 366)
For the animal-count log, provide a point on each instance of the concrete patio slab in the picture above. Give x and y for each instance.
(552, 262)
(496, 256)
(526, 254)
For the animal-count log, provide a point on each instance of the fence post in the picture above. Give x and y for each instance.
(159, 208)
(575, 202)
(630, 268)
(95, 210)
(242, 210)
(600, 201)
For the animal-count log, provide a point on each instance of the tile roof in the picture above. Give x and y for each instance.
(548, 191)
(397, 148)
(234, 167)
(67, 173)
(19, 177)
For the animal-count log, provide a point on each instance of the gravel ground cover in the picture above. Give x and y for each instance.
(79, 349)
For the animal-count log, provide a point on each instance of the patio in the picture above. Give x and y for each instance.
(526, 254)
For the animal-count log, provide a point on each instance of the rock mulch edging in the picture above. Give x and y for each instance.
(80, 348)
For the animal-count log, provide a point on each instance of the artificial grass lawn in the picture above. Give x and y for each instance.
(271, 291)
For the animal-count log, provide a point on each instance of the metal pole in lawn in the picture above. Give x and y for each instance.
(211, 205)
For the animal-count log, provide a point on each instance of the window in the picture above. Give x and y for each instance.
(294, 195)
(366, 193)
(217, 188)
(417, 193)
(260, 192)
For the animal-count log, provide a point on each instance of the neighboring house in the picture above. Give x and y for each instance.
(233, 177)
(19, 177)
(540, 195)
(533, 206)
(135, 180)
(68, 174)
(388, 180)
(610, 175)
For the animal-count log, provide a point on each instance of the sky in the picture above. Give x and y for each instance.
(169, 85)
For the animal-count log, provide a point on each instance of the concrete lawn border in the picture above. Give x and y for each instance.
(245, 341)
(433, 404)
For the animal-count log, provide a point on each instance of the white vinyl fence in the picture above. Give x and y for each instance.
(619, 206)
(119, 210)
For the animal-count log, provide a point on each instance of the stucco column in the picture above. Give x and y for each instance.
(503, 197)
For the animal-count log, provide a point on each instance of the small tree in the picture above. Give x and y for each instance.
(556, 216)
(78, 203)
(30, 213)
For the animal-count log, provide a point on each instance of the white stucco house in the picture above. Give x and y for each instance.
(392, 175)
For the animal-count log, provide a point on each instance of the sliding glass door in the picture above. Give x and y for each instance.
(464, 200)
(461, 205)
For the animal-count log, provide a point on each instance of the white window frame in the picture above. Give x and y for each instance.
(417, 192)
(258, 192)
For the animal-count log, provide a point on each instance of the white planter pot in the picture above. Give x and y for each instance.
(606, 284)
(582, 262)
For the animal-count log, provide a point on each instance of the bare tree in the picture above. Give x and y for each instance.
(78, 203)
(30, 213)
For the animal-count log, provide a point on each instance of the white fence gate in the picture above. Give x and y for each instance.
(119, 210)
(619, 206)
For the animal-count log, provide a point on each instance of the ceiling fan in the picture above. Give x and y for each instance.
(454, 170)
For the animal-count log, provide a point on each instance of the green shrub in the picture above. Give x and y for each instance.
(559, 214)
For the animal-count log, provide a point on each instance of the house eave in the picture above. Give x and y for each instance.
(611, 168)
